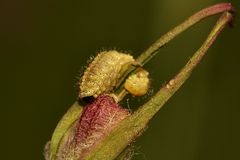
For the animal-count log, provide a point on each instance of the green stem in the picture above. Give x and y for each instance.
(156, 46)
(155, 104)
(73, 113)
(132, 126)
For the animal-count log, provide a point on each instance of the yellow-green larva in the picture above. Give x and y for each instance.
(137, 84)
(103, 73)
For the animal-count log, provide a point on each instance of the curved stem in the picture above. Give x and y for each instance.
(155, 47)
(152, 106)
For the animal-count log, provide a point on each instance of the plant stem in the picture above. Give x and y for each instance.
(132, 126)
(156, 46)
(152, 106)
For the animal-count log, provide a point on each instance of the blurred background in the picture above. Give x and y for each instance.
(46, 44)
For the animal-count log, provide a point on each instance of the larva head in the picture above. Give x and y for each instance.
(138, 83)
(103, 73)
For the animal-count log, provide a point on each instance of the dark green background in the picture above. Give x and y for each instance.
(44, 45)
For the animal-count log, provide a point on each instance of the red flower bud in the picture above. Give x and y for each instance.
(97, 120)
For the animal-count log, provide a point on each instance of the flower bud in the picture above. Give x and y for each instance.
(99, 117)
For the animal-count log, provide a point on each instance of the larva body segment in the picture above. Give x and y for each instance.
(137, 84)
(103, 73)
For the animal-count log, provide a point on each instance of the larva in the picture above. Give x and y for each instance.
(137, 84)
(103, 73)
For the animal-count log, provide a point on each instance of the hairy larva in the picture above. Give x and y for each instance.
(103, 72)
(137, 84)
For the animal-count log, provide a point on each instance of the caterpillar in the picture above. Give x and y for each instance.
(103, 73)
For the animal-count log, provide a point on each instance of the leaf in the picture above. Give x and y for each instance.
(64, 124)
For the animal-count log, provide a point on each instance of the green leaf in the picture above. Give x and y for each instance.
(64, 124)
